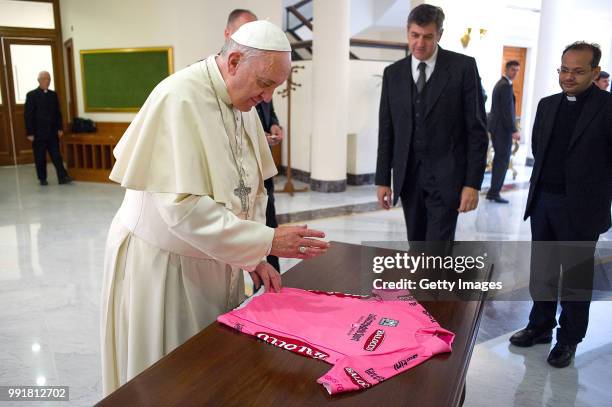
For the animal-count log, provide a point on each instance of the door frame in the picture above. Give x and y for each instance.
(71, 81)
(54, 35)
(5, 108)
(24, 155)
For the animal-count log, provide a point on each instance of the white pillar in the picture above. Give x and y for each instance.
(330, 62)
(554, 34)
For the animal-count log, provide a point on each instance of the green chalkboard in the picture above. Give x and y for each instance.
(119, 80)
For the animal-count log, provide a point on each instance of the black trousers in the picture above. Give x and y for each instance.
(502, 145)
(271, 218)
(427, 217)
(562, 264)
(40, 147)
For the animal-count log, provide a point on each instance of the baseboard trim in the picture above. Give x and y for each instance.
(328, 186)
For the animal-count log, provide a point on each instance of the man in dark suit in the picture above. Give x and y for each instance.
(269, 122)
(43, 122)
(432, 132)
(603, 80)
(569, 202)
(274, 135)
(502, 126)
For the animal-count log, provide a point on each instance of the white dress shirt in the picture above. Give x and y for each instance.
(431, 63)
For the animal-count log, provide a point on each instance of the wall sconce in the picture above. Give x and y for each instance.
(465, 39)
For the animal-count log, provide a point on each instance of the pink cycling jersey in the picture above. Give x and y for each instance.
(367, 339)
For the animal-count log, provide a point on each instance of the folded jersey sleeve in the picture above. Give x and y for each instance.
(213, 229)
(364, 371)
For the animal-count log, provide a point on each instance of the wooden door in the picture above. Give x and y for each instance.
(520, 55)
(6, 142)
(72, 103)
(21, 78)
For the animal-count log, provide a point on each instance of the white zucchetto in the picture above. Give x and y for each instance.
(262, 34)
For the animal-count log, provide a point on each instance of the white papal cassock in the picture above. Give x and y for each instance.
(177, 245)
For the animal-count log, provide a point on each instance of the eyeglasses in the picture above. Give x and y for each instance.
(564, 71)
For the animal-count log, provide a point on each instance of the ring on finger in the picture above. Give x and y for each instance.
(302, 249)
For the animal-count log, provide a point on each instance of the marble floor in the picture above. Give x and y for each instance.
(51, 254)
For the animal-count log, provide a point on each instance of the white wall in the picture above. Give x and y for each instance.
(365, 87)
(194, 28)
(301, 117)
(364, 96)
(390, 34)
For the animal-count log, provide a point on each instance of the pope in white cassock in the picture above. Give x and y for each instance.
(193, 162)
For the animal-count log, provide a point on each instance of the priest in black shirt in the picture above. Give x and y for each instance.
(568, 203)
(43, 121)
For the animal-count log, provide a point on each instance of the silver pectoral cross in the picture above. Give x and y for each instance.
(243, 192)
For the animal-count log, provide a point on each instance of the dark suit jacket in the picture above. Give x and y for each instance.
(502, 118)
(588, 172)
(268, 118)
(43, 117)
(267, 115)
(455, 122)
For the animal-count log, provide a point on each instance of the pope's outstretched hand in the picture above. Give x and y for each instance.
(298, 242)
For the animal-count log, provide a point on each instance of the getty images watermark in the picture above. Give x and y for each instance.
(490, 270)
(432, 263)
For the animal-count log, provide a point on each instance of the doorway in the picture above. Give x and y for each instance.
(30, 42)
(23, 60)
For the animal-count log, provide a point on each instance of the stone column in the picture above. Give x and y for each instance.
(330, 60)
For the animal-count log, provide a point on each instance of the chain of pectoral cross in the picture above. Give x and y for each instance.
(243, 191)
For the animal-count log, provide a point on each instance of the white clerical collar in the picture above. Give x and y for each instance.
(508, 79)
(217, 80)
(571, 98)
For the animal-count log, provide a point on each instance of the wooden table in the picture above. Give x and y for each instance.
(221, 367)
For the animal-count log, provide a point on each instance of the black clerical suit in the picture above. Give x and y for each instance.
(569, 201)
(501, 125)
(268, 118)
(435, 142)
(43, 119)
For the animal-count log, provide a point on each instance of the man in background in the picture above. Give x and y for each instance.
(43, 122)
(568, 203)
(269, 122)
(432, 132)
(502, 126)
(603, 80)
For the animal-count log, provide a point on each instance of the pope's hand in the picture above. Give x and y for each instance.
(266, 274)
(298, 242)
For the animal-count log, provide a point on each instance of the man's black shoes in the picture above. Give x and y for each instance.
(43, 182)
(66, 180)
(561, 355)
(497, 199)
(529, 337)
